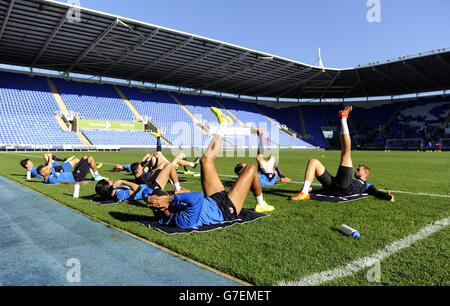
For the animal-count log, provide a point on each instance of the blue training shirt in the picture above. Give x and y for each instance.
(58, 177)
(192, 210)
(34, 172)
(66, 167)
(123, 193)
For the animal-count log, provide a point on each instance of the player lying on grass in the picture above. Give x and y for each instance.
(127, 191)
(147, 171)
(268, 169)
(82, 168)
(342, 184)
(154, 178)
(215, 205)
(158, 160)
(29, 166)
(150, 160)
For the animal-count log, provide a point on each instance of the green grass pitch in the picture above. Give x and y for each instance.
(297, 239)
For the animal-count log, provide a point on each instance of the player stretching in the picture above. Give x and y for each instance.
(215, 205)
(342, 184)
(268, 169)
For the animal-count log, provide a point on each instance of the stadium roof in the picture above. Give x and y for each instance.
(47, 34)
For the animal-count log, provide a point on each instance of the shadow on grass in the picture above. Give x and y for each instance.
(15, 174)
(124, 217)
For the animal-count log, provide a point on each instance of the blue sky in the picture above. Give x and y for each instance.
(295, 29)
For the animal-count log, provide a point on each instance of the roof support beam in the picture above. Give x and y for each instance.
(329, 85)
(294, 74)
(162, 57)
(93, 45)
(8, 13)
(362, 83)
(358, 83)
(50, 38)
(420, 73)
(392, 79)
(190, 63)
(221, 66)
(259, 76)
(261, 62)
(292, 86)
(135, 48)
(300, 92)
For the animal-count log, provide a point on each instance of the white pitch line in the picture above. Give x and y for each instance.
(369, 261)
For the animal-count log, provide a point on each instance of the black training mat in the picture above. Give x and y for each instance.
(102, 201)
(230, 184)
(322, 196)
(245, 216)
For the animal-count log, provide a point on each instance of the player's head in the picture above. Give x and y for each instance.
(158, 192)
(137, 169)
(118, 168)
(239, 167)
(362, 172)
(44, 171)
(27, 164)
(104, 188)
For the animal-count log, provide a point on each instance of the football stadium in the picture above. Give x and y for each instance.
(135, 154)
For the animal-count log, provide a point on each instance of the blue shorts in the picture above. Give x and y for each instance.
(265, 180)
(126, 168)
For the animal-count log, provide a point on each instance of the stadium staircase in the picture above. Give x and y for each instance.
(63, 108)
(394, 115)
(273, 122)
(242, 124)
(302, 121)
(128, 103)
(136, 112)
(57, 96)
(83, 138)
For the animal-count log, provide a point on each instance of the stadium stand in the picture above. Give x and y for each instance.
(94, 101)
(28, 113)
(29, 107)
(248, 114)
(165, 113)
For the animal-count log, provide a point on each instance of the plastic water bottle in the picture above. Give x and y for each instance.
(347, 230)
(76, 190)
(28, 175)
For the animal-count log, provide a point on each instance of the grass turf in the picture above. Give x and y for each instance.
(298, 239)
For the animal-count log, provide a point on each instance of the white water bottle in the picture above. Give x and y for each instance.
(76, 190)
(28, 175)
(347, 230)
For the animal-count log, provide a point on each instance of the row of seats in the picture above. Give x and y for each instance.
(27, 114)
(28, 109)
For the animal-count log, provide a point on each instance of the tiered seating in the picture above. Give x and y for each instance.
(176, 124)
(27, 114)
(28, 109)
(200, 106)
(94, 101)
(247, 114)
(280, 118)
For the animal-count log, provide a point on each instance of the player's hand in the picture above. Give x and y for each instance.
(117, 184)
(391, 197)
(160, 203)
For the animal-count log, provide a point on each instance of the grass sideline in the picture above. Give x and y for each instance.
(298, 239)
